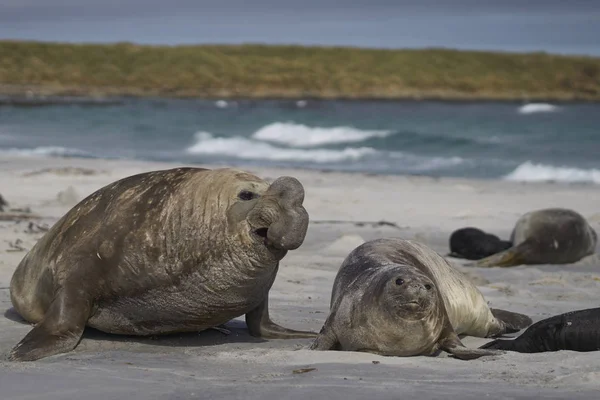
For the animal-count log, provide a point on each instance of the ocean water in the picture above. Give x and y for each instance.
(524, 142)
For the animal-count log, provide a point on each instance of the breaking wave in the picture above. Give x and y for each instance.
(530, 172)
(298, 135)
(415, 163)
(244, 148)
(49, 151)
(537, 108)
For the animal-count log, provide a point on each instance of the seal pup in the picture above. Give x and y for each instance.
(176, 250)
(474, 244)
(398, 297)
(547, 236)
(575, 330)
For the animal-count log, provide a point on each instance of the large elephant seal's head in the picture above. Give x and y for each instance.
(269, 218)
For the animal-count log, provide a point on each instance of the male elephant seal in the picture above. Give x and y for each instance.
(398, 297)
(547, 236)
(575, 330)
(474, 244)
(177, 250)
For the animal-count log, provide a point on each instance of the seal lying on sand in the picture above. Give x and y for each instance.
(177, 250)
(474, 244)
(548, 236)
(575, 330)
(398, 297)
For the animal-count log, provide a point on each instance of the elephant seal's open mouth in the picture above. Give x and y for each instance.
(262, 233)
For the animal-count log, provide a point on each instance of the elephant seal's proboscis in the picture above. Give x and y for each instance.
(177, 250)
(400, 298)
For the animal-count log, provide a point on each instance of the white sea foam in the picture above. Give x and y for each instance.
(530, 172)
(531, 108)
(417, 163)
(298, 135)
(49, 151)
(244, 148)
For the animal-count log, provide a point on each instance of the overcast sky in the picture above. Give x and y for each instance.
(559, 26)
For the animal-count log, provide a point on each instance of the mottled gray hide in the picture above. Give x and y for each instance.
(398, 297)
(167, 251)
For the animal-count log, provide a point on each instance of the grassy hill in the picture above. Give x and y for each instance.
(292, 71)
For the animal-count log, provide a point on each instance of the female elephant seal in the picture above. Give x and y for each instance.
(177, 250)
(547, 236)
(398, 297)
(576, 331)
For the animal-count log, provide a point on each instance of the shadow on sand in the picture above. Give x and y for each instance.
(238, 333)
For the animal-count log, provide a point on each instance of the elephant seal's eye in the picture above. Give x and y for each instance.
(246, 195)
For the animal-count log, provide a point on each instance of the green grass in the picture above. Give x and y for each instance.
(292, 71)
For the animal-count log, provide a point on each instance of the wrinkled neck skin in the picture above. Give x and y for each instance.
(197, 228)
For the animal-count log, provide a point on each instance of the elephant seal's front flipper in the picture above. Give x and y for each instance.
(326, 339)
(260, 325)
(576, 331)
(60, 329)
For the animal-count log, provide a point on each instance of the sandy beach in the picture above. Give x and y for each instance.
(345, 210)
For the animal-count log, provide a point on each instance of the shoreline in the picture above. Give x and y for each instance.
(417, 194)
(16, 159)
(33, 163)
